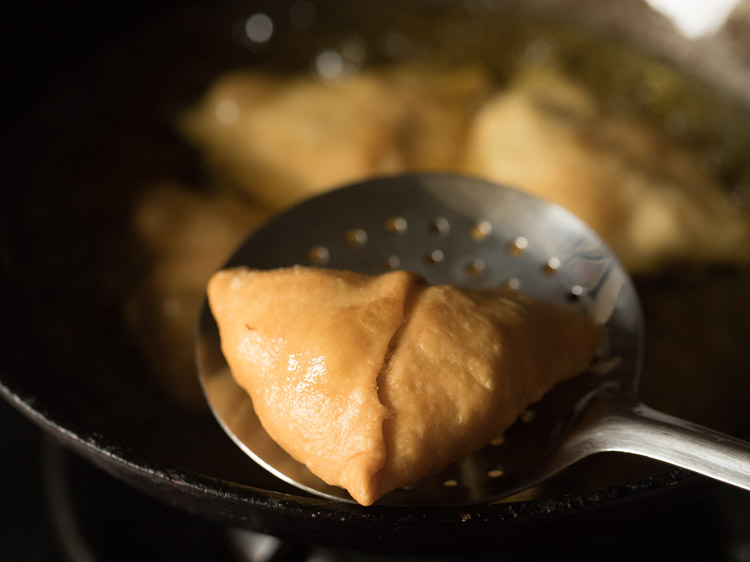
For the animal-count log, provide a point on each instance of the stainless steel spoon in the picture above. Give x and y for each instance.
(458, 230)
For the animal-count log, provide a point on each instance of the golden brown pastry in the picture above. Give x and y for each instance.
(284, 139)
(376, 381)
(544, 132)
(648, 197)
(187, 235)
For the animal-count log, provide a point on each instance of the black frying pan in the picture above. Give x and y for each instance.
(69, 362)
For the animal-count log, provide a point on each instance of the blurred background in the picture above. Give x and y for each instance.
(141, 143)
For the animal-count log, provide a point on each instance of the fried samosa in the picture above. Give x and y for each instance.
(374, 382)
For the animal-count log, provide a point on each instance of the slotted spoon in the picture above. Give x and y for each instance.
(458, 230)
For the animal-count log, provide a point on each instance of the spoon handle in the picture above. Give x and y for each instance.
(641, 430)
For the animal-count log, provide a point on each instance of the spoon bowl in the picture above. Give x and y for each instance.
(458, 230)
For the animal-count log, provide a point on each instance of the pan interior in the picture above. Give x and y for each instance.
(106, 157)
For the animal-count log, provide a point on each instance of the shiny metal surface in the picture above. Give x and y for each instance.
(463, 231)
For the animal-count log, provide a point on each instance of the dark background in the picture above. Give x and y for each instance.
(40, 42)
(26, 528)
